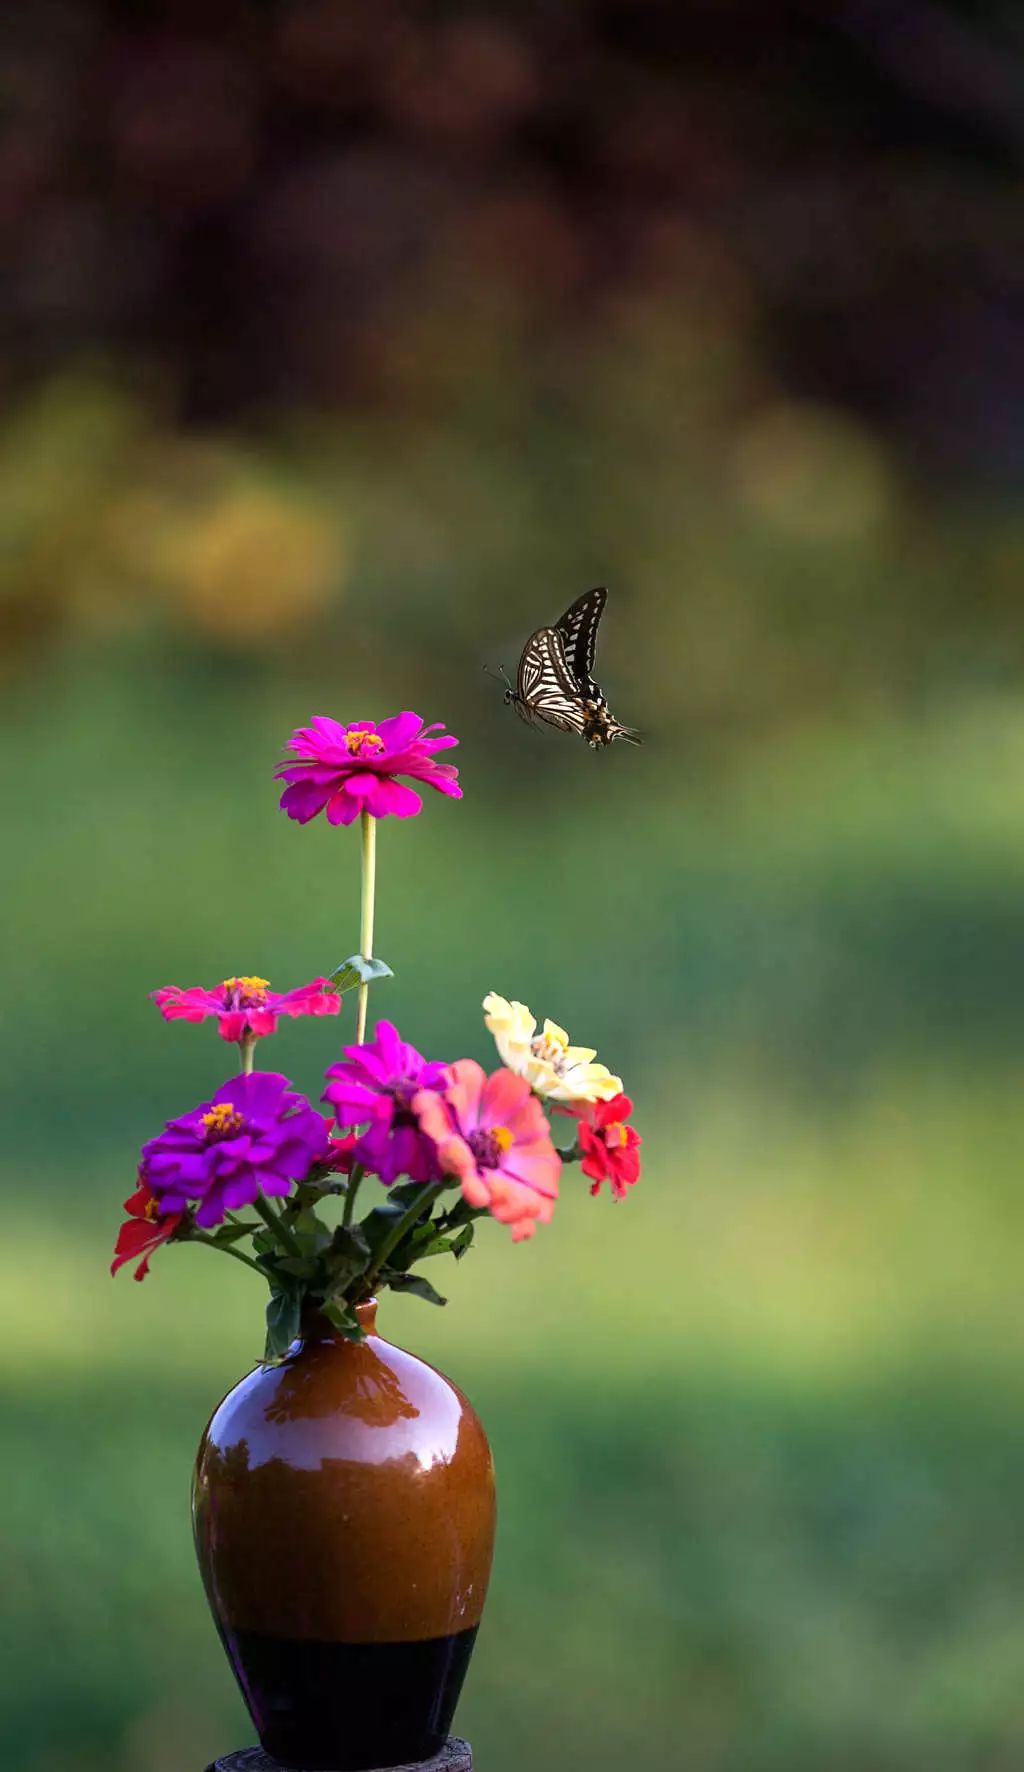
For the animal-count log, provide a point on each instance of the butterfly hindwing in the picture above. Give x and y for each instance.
(578, 628)
(545, 686)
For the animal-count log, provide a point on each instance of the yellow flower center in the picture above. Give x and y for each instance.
(222, 1120)
(615, 1133)
(360, 742)
(550, 1050)
(152, 1211)
(502, 1138)
(246, 991)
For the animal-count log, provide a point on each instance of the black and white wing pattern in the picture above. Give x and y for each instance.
(545, 688)
(578, 628)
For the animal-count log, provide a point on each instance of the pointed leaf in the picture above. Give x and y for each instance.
(358, 969)
(417, 1285)
(232, 1233)
(283, 1310)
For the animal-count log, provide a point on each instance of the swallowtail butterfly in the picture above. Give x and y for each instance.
(555, 682)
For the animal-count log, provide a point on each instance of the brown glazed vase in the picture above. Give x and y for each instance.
(343, 1505)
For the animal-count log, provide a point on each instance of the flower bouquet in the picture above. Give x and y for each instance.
(387, 1561)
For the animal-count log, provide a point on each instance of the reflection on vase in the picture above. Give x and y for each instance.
(375, 1396)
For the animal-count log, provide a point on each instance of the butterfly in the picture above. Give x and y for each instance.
(555, 680)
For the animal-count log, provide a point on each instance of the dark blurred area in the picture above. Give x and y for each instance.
(280, 204)
(341, 347)
(773, 254)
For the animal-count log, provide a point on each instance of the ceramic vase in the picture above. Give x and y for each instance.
(343, 1506)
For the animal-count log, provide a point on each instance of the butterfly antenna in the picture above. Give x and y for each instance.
(500, 675)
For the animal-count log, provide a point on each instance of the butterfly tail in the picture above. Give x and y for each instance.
(629, 733)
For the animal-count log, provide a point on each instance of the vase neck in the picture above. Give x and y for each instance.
(316, 1327)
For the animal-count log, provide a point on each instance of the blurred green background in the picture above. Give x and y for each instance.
(340, 349)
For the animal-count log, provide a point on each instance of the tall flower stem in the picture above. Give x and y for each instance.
(247, 1047)
(420, 1208)
(276, 1227)
(369, 825)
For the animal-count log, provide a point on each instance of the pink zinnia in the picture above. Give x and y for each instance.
(346, 770)
(491, 1132)
(246, 1008)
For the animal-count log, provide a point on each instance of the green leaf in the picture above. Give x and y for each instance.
(406, 1195)
(283, 1311)
(463, 1241)
(349, 1255)
(378, 1224)
(339, 1312)
(358, 969)
(302, 1266)
(309, 1231)
(417, 1285)
(421, 1251)
(232, 1233)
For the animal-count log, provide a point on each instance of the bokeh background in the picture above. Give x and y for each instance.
(342, 346)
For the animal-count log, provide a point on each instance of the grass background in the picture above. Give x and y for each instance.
(758, 1429)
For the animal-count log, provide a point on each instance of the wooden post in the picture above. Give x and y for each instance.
(455, 1756)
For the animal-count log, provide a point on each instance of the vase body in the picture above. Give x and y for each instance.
(343, 1506)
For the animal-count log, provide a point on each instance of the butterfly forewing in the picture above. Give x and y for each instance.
(578, 628)
(545, 686)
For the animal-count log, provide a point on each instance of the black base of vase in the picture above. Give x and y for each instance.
(455, 1756)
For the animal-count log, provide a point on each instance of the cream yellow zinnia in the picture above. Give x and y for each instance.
(550, 1065)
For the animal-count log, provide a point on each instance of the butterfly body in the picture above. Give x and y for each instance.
(555, 680)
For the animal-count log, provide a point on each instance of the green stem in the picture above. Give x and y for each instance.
(420, 1208)
(273, 1222)
(351, 1191)
(369, 825)
(226, 1249)
(247, 1047)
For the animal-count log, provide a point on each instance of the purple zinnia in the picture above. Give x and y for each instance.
(378, 1084)
(257, 1136)
(346, 770)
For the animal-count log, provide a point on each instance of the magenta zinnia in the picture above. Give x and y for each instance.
(246, 1008)
(346, 770)
(492, 1134)
(256, 1136)
(375, 1088)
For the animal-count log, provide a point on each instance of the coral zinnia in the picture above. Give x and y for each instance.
(551, 1066)
(146, 1227)
(257, 1136)
(246, 1008)
(491, 1132)
(610, 1147)
(346, 770)
(377, 1084)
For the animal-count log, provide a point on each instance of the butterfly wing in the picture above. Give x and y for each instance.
(578, 628)
(545, 687)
